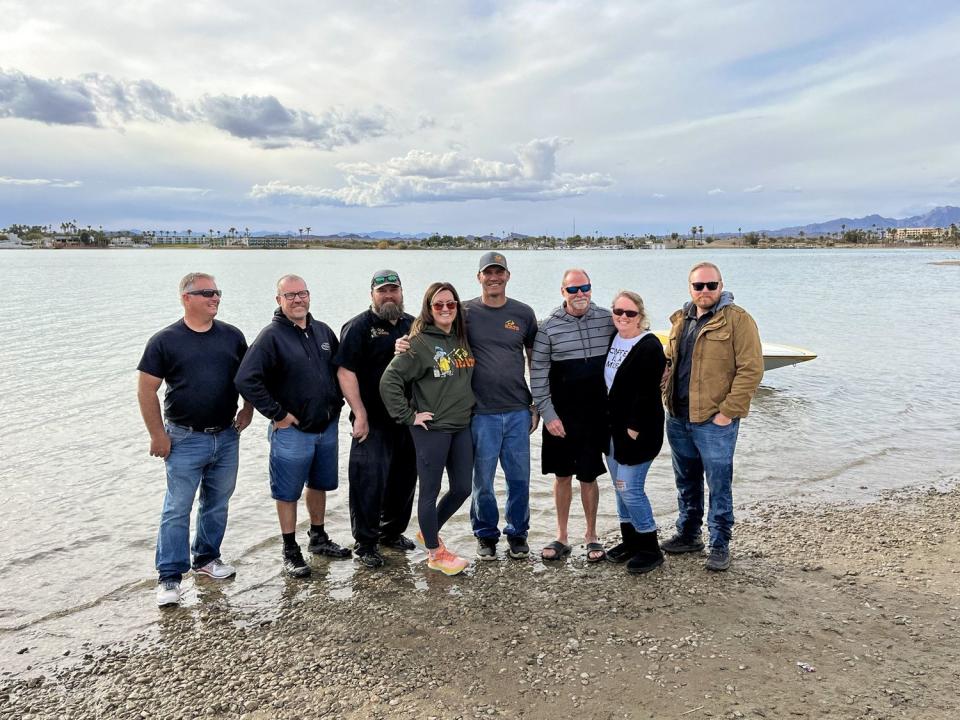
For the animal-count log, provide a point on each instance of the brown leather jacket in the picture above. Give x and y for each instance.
(727, 364)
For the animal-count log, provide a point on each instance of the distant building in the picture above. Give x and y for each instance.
(268, 243)
(917, 234)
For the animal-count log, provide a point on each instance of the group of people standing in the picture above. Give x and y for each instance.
(447, 390)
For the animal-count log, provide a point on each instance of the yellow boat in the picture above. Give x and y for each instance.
(774, 356)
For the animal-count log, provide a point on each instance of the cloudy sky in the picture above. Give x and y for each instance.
(476, 117)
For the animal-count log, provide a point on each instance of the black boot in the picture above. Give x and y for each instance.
(622, 552)
(648, 556)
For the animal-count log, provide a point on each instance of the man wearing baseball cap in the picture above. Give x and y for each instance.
(500, 331)
(382, 469)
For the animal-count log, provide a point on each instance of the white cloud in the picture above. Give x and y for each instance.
(953, 182)
(41, 182)
(753, 189)
(715, 191)
(658, 196)
(424, 176)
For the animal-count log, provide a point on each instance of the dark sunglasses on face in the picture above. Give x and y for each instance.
(449, 304)
(381, 279)
(205, 293)
(574, 289)
(712, 285)
(629, 313)
(302, 294)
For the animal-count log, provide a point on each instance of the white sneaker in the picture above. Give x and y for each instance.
(168, 593)
(217, 569)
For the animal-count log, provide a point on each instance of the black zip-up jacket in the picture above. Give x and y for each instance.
(634, 402)
(288, 369)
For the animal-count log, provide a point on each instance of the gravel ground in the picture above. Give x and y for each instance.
(833, 611)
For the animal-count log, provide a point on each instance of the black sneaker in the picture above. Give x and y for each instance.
(487, 548)
(718, 560)
(400, 542)
(368, 555)
(682, 544)
(321, 544)
(294, 564)
(518, 547)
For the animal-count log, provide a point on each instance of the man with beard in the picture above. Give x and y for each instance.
(716, 364)
(382, 469)
(566, 379)
(289, 376)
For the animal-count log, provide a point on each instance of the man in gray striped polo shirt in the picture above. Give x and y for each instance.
(566, 380)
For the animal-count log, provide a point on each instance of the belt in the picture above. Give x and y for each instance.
(208, 430)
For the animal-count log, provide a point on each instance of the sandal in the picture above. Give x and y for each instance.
(595, 547)
(558, 549)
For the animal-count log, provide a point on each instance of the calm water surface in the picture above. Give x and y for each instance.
(81, 496)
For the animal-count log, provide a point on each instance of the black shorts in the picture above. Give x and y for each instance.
(580, 453)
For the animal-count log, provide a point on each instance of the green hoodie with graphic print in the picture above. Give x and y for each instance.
(438, 368)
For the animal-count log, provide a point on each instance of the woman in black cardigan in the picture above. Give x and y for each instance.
(634, 366)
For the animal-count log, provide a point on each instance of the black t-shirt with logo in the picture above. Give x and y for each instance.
(366, 348)
(198, 369)
(498, 336)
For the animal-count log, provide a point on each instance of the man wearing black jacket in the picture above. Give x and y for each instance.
(289, 376)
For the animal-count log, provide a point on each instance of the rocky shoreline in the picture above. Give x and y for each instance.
(836, 611)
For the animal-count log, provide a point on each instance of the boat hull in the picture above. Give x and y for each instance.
(774, 355)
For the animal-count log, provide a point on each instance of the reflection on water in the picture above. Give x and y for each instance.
(81, 497)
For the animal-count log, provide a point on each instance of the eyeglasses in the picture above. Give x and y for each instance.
(381, 279)
(629, 313)
(205, 293)
(449, 305)
(302, 294)
(574, 289)
(712, 285)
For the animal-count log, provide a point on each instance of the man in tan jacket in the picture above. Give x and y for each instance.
(715, 363)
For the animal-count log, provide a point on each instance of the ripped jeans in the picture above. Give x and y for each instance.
(633, 506)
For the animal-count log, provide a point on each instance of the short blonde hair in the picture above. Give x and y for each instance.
(636, 300)
(188, 280)
(705, 264)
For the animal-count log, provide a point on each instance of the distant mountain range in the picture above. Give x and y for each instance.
(939, 217)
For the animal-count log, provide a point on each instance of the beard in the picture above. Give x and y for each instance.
(389, 311)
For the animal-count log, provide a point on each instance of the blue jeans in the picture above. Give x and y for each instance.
(196, 460)
(633, 505)
(299, 458)
(698, 450)
(504, 437)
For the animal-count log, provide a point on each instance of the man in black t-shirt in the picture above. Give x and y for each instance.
(198, 358)
(382, 470)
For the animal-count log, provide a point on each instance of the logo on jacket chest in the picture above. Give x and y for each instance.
(378, 332)
(511, 325)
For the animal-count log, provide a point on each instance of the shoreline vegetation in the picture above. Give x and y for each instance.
(829, 611)
(73, 237)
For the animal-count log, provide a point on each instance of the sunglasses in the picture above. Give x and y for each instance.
(302, 294)
(574, 289)
(629, 313)
(205, 293)
(712, 285)
(381, 279)
(449, 304)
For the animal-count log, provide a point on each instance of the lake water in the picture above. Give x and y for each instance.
(81, 496)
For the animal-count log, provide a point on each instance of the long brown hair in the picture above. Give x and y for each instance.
(426, 313)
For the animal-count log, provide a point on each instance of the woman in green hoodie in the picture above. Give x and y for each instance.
(435, 372)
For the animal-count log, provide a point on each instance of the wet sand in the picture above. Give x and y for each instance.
(840, 611)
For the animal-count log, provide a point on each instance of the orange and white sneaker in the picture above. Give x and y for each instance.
(446, 562)
(419, 537)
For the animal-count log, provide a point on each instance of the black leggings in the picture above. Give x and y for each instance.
(437, 449)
